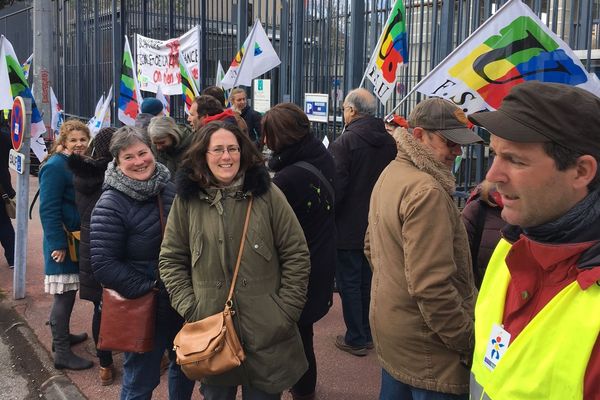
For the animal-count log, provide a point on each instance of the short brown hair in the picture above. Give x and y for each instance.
(284, 125)
(215, 92)
(208, 105)
(194, 159)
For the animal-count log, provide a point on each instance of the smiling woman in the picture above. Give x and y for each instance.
(59, 217)
(220, 172)
(125, 236)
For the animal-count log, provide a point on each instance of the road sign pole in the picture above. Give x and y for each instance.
(22, 205)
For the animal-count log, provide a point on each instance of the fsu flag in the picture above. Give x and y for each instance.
(513, 46)
(390, 53)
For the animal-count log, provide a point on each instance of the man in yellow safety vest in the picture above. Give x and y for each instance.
(537, 316)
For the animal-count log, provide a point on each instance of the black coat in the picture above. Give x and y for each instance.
(5, 146)
(314, 207)
(253, 119)
(125, 240)
(360, 154)
(88, 176)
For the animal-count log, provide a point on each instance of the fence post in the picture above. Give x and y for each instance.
(297, 53)
(356, 45)
(445, 30)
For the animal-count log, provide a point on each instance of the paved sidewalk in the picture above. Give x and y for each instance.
(341, 376)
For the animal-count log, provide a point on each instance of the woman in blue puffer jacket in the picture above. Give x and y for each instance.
(125, 237)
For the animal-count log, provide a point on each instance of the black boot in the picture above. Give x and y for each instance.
(59, 324)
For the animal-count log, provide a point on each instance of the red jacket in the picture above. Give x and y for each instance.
(538, 272)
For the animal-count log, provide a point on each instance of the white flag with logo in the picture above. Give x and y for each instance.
(256, 57)
(57, 113)
(99, 122)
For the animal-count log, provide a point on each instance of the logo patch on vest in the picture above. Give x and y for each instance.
(496, 347)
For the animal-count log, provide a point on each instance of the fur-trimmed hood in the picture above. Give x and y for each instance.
(256, 181)
(410, 149)
(88, 173)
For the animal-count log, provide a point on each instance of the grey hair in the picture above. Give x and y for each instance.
(163, 126)
(125, 137)
(235, 91)
(363, 102)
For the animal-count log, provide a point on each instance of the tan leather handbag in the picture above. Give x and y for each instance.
(211, 346)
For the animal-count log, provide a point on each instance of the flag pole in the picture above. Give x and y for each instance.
(246, 53)
(448, 56)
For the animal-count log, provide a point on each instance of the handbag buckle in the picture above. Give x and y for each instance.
(229, 304)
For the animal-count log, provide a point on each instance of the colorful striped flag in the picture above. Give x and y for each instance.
(511, 47)
(188, 85)
(390, 53)
(130, 96)
(12, 84)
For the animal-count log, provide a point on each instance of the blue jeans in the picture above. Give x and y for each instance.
(391, 389)
(214, 392)
(141, 371)
(353, 278)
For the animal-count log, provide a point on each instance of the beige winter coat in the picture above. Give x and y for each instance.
(423, 294)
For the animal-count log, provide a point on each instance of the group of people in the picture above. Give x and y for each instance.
(516, 327)
(161, 207)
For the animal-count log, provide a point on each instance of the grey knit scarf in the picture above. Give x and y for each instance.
(139, 190)
(572, 226)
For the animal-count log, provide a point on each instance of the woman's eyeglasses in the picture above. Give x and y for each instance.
(219, 151)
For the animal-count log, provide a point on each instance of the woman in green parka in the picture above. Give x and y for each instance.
(219, 173)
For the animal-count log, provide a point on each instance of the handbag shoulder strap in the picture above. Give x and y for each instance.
(315, 171)
(229, 303)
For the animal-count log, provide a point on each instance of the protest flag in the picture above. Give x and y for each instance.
(247, 65)
(220, 76)
(188, 85)
(164, 99)
(101, 121)
(27, 66)
(58, 115)
(390, 53)
(130, 97)
(13, 84)
(513, 46)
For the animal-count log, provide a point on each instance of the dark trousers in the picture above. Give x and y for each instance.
(7, 235)
(214, 392)
(353, 278)
(307, 384)
(104, 356)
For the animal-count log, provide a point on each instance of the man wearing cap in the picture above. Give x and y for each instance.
(360, 154)
(537, 319)
(423, 292)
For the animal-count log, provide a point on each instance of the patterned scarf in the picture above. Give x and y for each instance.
(114, 178)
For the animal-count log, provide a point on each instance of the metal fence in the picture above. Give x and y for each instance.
(324, 45)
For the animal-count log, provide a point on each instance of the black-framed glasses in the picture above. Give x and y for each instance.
(219, 151)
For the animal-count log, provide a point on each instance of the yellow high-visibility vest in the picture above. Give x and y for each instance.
(548, 359)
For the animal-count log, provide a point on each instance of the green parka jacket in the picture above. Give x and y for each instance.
(197, 259)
